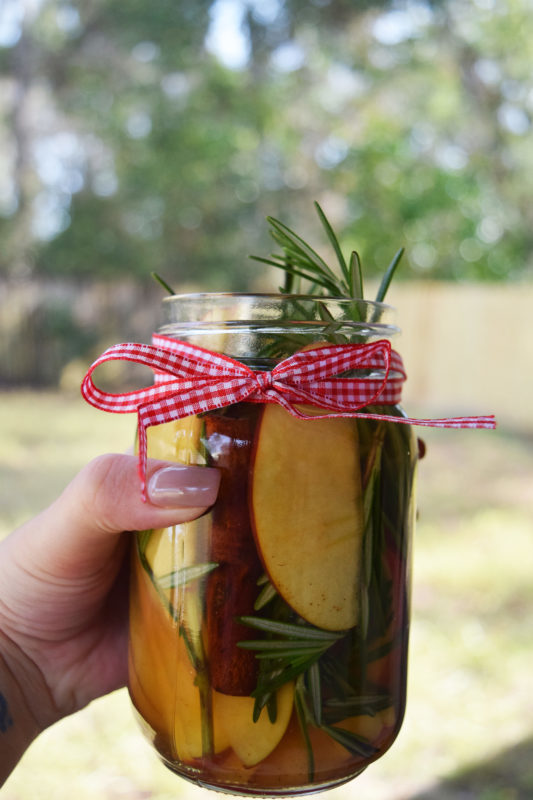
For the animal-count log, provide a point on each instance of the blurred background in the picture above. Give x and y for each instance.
(157, 136)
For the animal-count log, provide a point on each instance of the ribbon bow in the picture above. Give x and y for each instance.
(191, 380)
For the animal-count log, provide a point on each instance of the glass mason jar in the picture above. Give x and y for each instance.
(268, 638)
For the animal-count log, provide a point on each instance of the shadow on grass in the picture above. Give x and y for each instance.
(507, 776)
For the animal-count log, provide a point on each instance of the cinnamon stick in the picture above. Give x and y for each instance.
(232, 586)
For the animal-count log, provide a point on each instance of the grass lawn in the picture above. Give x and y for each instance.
(468, 732)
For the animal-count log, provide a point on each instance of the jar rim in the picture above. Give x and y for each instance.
(277, 296)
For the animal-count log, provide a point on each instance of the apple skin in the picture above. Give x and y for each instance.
(253, 741)
(307, 513)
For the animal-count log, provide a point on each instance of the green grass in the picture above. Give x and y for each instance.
(45, 439)
(469, 718)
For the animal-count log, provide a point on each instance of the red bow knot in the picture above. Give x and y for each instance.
(191, 380)
(265, 382)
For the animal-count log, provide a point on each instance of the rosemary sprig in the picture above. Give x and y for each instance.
(302, 632)
(266, 594)
(184, 575)
(357, 745)
(315, 691)
(286, 652)
(162, 282)
(346, 271)
(299, 260)
(173, 580)
(304, 720)
(356, 276)
(388, 276)
(339, 709)
(307, 701)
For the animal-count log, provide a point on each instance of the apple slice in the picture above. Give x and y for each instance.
(188, 712)
(253, 741)
(307, 515)
(150, 662)
(162, 680)
(179, 547)
(178, 440)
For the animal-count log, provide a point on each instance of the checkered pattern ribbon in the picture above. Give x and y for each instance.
(190, 380)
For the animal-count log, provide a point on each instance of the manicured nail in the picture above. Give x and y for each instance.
(183, 486)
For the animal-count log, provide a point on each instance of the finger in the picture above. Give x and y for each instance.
(105, 499)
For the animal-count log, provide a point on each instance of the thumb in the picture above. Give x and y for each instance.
(76, 532)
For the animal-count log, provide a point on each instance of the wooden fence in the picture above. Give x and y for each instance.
(46, 327)
(467, 349)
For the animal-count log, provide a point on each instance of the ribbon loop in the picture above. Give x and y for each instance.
(340, 379)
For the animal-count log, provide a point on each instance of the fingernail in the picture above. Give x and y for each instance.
(183, 486)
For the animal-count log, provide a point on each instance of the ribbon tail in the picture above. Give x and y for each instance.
(487, 421)
(143, 450)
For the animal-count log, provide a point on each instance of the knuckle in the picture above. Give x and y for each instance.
(101, 482)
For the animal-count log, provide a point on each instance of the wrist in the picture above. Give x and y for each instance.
(19, 724)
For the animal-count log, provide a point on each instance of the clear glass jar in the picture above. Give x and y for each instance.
(268, 639)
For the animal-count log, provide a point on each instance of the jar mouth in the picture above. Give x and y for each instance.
(272, 297)
(266, 308)
(246, 324)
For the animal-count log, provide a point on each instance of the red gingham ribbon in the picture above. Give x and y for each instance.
(190, 380)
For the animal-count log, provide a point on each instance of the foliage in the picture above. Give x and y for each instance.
(135, 148)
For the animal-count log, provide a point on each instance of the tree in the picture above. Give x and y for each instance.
(137, 149)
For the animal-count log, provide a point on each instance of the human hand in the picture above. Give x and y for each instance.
(64, 587)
